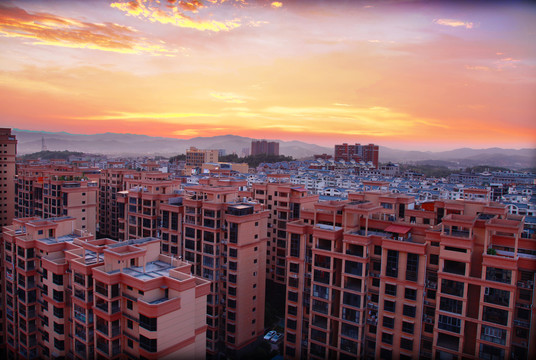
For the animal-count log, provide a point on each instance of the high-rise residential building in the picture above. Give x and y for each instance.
(58, 190)
(283, 202)
(367, 153)
(8, 152)
(112, 181)
(68, 295)
(139, 205)
(197, 157)
(259, 147)
(378, 277)
(224, 237)
(170, 226)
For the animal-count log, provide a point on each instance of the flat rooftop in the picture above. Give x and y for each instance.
(59, 239)
(153, 270)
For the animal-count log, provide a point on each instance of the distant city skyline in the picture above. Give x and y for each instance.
(412, 75)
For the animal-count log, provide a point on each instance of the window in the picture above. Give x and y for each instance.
(389, 305)
(434, 259)
(129, 304)
(377, 250)
(388, 322)
(409, 310)
(59, 328)
(407, 327)
(390, 289)
(130, 324)
(292, 296)
(148, 344)
(147, 323)
(412, 267)
(392, 264)
(387, 338)
(450, 305)
(498, 275)
(406, 344)
(59, 344)
(449, 323)
(410, 294)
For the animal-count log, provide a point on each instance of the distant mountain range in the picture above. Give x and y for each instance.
(130, 144)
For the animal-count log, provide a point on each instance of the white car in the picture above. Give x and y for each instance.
(275, 339)
(269, 335)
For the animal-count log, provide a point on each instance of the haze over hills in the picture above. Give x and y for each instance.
(131, 144)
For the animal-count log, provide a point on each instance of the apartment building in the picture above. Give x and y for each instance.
(68, 295)
(112, 181)
(195, 158)
(224, 238)
(8, 151)
(139, 205)
(58, 190)
(259, 147)
(358, 153)
(283, 202)
(378, 277)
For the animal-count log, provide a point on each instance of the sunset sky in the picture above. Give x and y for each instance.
(409, 75)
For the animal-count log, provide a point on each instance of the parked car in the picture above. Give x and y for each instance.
(269, 335)
(275, 339)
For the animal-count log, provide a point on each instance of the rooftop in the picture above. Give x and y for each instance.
(59, 239)
(153, 270)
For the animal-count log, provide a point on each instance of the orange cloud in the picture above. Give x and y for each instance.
(454, 23)
(177, 14)
(49, 29)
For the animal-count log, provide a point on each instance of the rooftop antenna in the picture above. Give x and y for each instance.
(43, 146)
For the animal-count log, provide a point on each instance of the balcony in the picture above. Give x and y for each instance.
(454, 267)
(101, 289)
(103, 347)
(321, 276)
(353, 268)
(457, 233)
(102, 306)
(320, 306)
(522, 323)
(320, 291)
(320, 321)
(80, 294)
(103, 328)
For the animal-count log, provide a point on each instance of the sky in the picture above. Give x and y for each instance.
(413, 75)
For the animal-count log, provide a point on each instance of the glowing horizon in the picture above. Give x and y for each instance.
(403, 75)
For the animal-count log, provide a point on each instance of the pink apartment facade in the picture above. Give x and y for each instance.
(68, 295)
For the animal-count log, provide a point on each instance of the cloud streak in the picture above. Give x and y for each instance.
(184, 14)
(53, 30)
(454, 23)
(229, 97)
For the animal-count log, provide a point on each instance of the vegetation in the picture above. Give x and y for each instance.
(444, 171)
(180, 157)
(255, 160)
(252, 160)
(47, 155)
(482, 168)
(427, 170)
